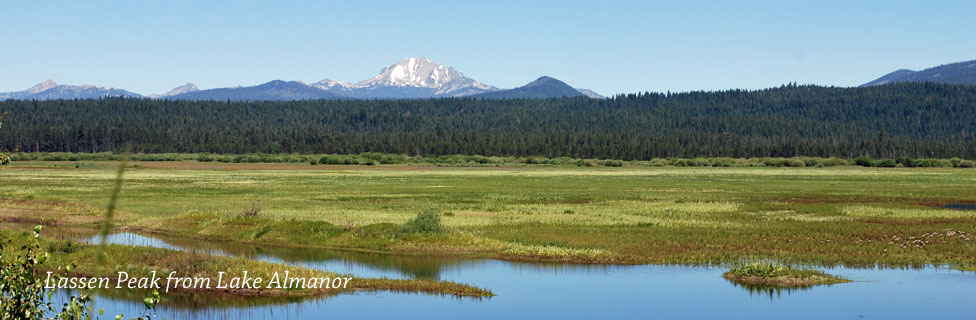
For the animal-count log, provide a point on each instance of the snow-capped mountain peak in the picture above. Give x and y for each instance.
(329, 83)
(42, 86)
(188, 87)
(413, 72)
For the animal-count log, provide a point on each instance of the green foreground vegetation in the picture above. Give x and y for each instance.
(689, 215)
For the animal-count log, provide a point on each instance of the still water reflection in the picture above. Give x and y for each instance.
(568, 291)
(531, 290)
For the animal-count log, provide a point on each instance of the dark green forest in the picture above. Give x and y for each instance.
(920, 120)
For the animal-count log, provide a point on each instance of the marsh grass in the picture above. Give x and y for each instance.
(630, 214)
(906, 213)
(768, 273)
(142, 261)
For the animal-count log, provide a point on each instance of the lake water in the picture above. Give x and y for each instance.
(960, 206)
(567, 291)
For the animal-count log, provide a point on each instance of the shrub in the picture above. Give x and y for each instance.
(330, 160)
(612, 163)
(425, 222)
(834, 162)
(23, 291)
(906, 161)
(723, 162)
(811, 162)
(955, 162)
(885, 163)
(933, 163)
(776, 162)
(700, 162)
(862, 161)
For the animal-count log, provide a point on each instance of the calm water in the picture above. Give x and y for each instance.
(531, 291)
(960, 206)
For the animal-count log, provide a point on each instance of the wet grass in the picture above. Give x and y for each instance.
(827, 216)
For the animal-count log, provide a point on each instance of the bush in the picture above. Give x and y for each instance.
(834, 162)
(723, 162)
(23, 291)
(612, 163)
(906, 161)
(885, 163)
(862, 161)
(955, 162)
(933, 163)
(425, 222)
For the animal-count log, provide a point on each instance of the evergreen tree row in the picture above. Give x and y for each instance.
(919, 120)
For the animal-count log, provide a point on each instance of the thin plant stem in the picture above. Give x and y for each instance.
(110, 210)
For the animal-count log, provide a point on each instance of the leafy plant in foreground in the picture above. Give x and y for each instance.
(23, 294)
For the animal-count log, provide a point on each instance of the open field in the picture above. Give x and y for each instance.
(837, 215)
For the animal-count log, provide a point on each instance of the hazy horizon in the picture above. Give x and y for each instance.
(616, 47)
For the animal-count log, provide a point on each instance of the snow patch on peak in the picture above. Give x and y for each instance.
(413, 72)
(409, 78)
(329, 83)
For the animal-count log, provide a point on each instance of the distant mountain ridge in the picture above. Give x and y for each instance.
(954, 73)
(591, 94)
(49, 90)
(409, 78)
(276, 90)
(544, 87)
(186, 88)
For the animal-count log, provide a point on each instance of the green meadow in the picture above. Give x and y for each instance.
(842, 215)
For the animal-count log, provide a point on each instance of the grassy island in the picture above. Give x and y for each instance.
(778, 275)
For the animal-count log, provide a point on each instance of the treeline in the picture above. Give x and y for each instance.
(457, 160)
(916, 120)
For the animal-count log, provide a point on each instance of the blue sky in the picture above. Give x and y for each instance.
(608, 46)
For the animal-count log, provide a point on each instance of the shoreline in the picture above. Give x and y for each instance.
(619, 261)
(144, 262)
